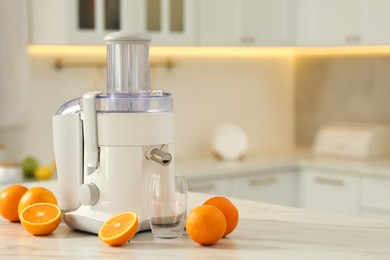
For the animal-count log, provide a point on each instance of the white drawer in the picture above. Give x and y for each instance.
(322, 190)
(375, 194)
(216, 187)
(278, 188)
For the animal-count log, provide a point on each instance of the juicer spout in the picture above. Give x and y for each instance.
(160, 156)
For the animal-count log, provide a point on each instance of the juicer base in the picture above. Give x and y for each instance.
(91, 222)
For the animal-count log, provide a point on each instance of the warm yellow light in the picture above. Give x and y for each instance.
(66, 50)
(343, 50)
(219, 52)
(163, 51)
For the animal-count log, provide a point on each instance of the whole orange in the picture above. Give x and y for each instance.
(206, 225)
(36, 195)
(228, 209)
(9, 201)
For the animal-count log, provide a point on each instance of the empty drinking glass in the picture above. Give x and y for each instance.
(167, 205)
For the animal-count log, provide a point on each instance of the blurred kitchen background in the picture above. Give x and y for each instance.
(280, 70)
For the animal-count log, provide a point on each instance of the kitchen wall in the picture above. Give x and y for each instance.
(340, 88)
(256, 93)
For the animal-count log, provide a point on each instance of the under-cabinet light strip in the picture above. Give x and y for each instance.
(157, 51)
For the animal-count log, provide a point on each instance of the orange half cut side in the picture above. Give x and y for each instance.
(41, 218)
(119, 229)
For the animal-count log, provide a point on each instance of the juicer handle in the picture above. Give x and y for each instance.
(68, 151)
(90, 131)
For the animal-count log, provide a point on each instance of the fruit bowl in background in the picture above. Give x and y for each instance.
(10, 173)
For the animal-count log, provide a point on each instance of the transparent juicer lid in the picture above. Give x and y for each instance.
(128, 88)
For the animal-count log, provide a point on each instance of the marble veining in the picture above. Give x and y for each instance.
(265, 231)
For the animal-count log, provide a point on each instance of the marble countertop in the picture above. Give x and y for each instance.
(264, 231)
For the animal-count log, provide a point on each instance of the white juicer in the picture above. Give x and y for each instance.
(106, 146)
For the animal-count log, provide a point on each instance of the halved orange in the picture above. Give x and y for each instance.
(41, 218)
(119, 229)
(36, 195)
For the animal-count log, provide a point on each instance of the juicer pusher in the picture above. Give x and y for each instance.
(106, 146)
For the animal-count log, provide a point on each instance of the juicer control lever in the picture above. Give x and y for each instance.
(88, 194)
(90, 131)
(160, 156)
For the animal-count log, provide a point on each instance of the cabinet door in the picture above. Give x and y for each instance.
(74, 21)
(374, 19)
(168, 22)
(216, 187)
(48, 27)
(276, 187)
(266, 22)
(375, 198)
(90, 20)
(245, 22)
(330, 22)
(219, 22)
(327, 191)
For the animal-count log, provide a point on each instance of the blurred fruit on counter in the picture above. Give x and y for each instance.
(54, 165)
(43, 173)
(29, 164)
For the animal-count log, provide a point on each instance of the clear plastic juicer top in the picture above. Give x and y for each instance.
(128, 88)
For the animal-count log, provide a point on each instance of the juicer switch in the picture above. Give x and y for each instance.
(88, 194)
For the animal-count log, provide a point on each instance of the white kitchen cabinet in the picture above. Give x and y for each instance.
(74, 21)
(330, 22)
(246, 22)
(329, 190)
(169, 22)
(345, 22)
(268, 23)
(219, 22)
(374, 21)
(278, 187)
(219, 187)
(375, 198)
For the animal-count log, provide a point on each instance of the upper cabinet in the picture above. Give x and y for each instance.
(246, 22)
(169, 22)
(342, 22)
(74, 21)
(214, 22)
(374, 21)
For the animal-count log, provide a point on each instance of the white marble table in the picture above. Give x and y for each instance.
(265, 231)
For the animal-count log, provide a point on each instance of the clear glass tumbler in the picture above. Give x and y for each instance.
(167, 205)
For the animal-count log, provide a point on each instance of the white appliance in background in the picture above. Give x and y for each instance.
(230, 142)
(353, 140)
(107, 146)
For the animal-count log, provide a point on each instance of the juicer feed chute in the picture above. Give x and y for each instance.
(106, 146)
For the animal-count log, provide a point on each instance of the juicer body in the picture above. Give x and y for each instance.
(120, 181)
(107, 146)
